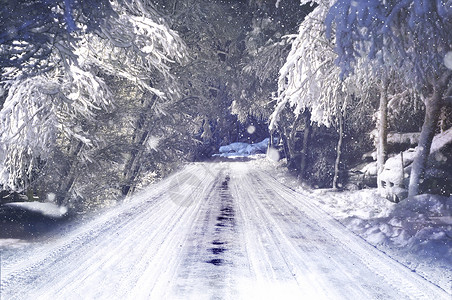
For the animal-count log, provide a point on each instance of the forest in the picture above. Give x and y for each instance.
(100, 98)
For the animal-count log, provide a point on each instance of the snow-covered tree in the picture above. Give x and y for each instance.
(414, 35)
(310, 81)
(267, 44)
(237, 48)
(57, 63)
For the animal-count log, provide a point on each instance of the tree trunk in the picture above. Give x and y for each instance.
(289, 140)
(287, 144)
(68, 178)
(143, 127)
(132, 168)
(290, 143)
(432, 110)
(402, 170)
(293, 141)
(443, 119)
(270, 141)
(382, 138)
(304, 151)
(338, 153)
(284, 143)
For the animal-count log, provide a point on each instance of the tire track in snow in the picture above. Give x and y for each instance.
(213, 231)
(285, 268)
(205, 272)
(100, 246)
(408, 285)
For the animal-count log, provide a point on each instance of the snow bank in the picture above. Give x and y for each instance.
(397, 169)
(243, 149)
(412, 223)
(416, 231)
(46, 209)
(424, 221)
(441, 140)
(411, 138)
(370, 169)
(13, 243)
(396, 174)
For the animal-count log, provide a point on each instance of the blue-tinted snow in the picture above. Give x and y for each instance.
(243, 149)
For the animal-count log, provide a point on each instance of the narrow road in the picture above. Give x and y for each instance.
(224, 230)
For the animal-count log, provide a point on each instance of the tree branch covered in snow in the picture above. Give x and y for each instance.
(309, 80)
(413, 34)
(348, 54)
(54, 68)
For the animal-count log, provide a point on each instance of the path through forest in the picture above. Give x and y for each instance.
(223, 230)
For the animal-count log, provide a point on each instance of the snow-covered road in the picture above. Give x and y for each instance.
(225, 230)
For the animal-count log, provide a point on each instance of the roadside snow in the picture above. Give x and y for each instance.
(47, 209)
(416, 232)
(440, 140)
(411, 138)
(13, 243)
(395, 176)
(243, 149)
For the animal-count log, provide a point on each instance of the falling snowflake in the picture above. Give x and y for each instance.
(51, 197)
(448, 60)
(153, 142)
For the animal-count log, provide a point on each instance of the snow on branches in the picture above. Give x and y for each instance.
(309, 80)
(39, 109)
(413, 32)
(416, 35)
(56, 71)
(347, 48)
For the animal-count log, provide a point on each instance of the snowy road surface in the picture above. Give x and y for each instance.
(224, 230)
